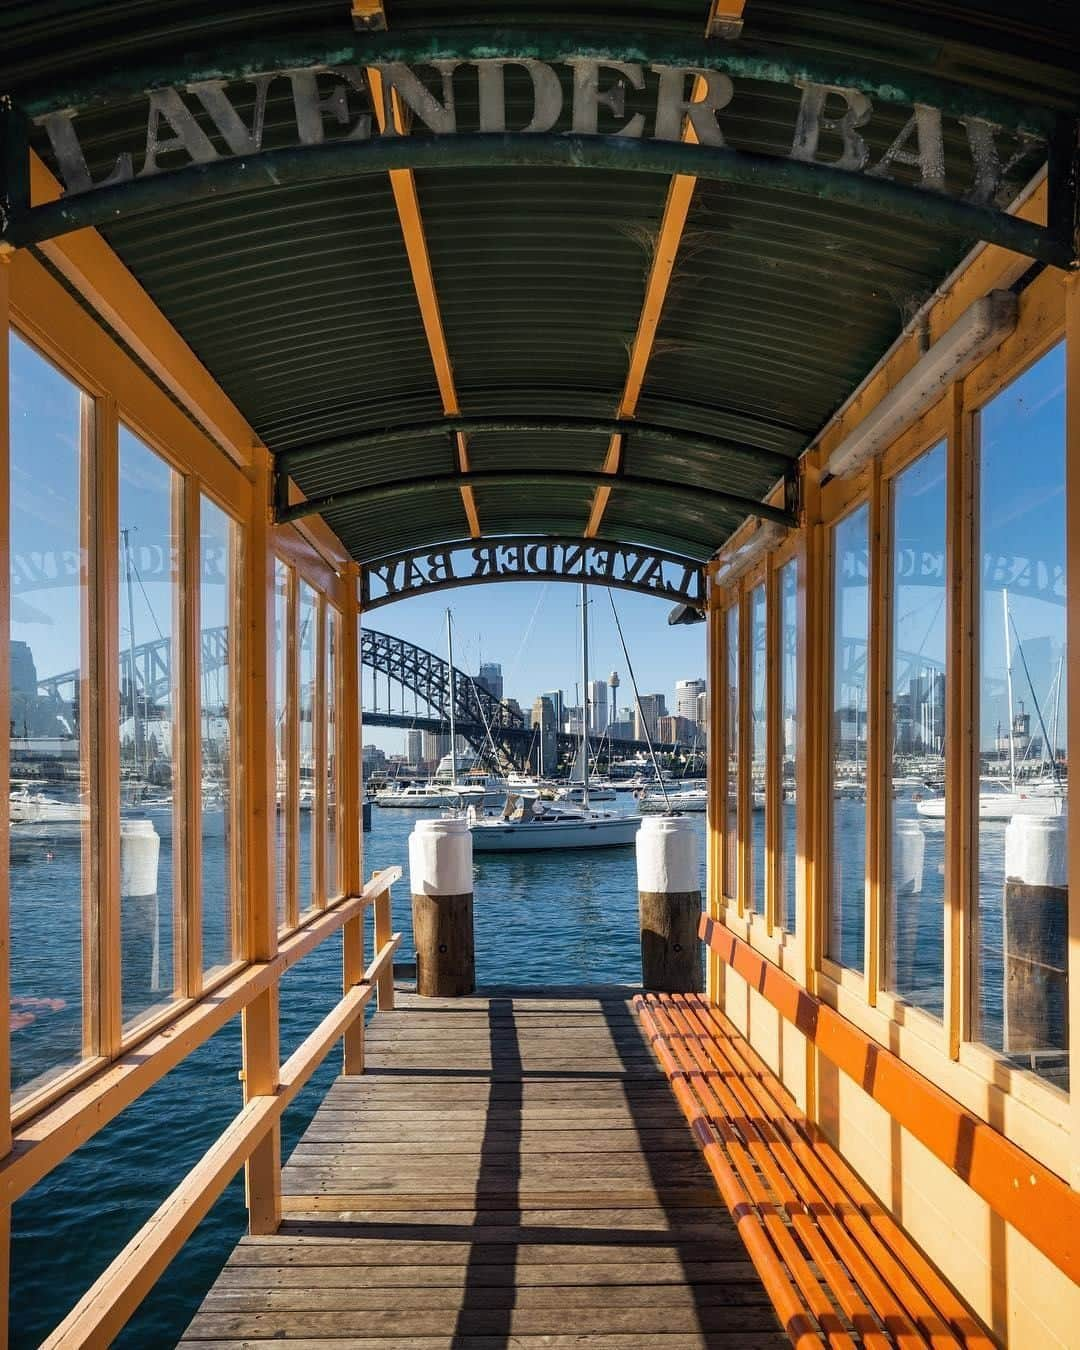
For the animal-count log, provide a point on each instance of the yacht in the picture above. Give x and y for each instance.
(1000, 801)
(575, 792)
(424, 796)
(529, 823)
(678, 799)
(33, 815)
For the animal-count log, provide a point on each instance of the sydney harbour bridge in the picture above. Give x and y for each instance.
(484, 721)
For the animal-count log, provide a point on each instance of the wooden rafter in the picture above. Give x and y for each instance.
(669, 237)
(407, 202)
(369, 15)
(725, 18)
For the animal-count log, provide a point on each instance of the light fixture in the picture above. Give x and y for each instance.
(732, 565)
(981, 328)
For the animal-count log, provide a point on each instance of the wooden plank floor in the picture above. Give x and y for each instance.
(512, 1171)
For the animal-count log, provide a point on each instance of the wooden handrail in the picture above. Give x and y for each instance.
(113, 1297)
(55, 1132)
(1018, 1188)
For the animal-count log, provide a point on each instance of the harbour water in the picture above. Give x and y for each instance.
(540, 919)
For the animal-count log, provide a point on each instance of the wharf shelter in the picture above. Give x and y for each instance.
(770, 309)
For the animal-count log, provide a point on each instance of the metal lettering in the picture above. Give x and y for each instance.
(70, 160)
(387, 575)
(513, 557)
(672, 105)
(441, 118)
(241, 139)
(573, 560)
(310, 107)
(589, 97)
(486, 561)
(547, 95)
(603, 562)
(440, 567)
(167, 106)
(989, 170)
(811, 121)
(928, 156)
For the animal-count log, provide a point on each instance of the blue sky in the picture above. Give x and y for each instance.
(533, 630)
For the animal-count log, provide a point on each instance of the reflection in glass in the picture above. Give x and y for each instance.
(851, 612)
(731, 847)
(281, 739)
(332, 636)
(915, 895)
(306, 639)
(49, 810)
(1019, 949)
(789, 659)
(758, 653)
(150, 507)
(220, 938)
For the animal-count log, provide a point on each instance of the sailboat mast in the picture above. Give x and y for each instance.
(450, 695)
(1009, 689)
(584, 694)
(136, 727)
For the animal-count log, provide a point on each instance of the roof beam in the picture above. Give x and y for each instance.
(368, 16)
(725, 18)
(407, 203)
(708, 499)
(461, 428)
(668, 238)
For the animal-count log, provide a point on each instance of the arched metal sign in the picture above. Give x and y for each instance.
(202, 128)
(626, 567)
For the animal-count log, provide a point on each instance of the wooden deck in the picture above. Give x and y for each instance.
(512, 1171)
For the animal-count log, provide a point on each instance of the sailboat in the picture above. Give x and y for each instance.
(1000, 799)
(527, 823)
(441, 793)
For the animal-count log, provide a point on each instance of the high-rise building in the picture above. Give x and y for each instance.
(686, 698)
(436, 744)
(414, 745)
(650, 708)
(598, 707)
(558, 705)
(672, 729)
(491, 678)
(546, 755)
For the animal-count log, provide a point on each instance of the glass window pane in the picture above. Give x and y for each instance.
(789, 657)
(915, 894)
(220, 935)
(330, 851)
(1019, 949)
(758, 703)
(851, 613)
(281, 737)
(731, 849)
(150, 506)
(307, 619)
(49, 782)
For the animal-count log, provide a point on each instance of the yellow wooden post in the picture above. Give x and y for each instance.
(716, 746)
(291, 803)
(5, 720)
(877, 815)
(961, 745)
(190, 756)
(350, 791)
(258, 772)
(1072, 537)
(101, 736)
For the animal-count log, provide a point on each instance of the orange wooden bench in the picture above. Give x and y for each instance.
(837, 1266)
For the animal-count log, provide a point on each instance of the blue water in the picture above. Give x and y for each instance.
(560, 918)
(540, 919)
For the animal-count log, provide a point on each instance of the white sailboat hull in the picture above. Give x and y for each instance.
(999, 806)
(507, 836)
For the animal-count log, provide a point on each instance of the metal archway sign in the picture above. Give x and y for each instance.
(200, 128)
(630, 567)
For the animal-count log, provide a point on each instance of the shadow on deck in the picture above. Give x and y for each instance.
(512, 1170)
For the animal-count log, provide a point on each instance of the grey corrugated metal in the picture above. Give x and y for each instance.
(301, 303)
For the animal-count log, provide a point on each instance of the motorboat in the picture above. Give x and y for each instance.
(998, 800)
(526, 824)
(33, 815)
(679, 799)
(575, 792)
(432, 796)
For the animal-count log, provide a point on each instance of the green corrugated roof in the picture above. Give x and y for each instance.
(300, 300)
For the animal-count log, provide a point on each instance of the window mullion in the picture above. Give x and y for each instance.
(189, 711)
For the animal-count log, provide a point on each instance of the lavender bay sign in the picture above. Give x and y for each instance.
(236, 123)
(664, 575)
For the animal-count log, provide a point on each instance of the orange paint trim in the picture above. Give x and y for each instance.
(1021, 1190)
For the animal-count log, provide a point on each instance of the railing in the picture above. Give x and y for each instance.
(55, 1132)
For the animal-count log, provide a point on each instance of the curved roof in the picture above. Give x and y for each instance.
(307, 301)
